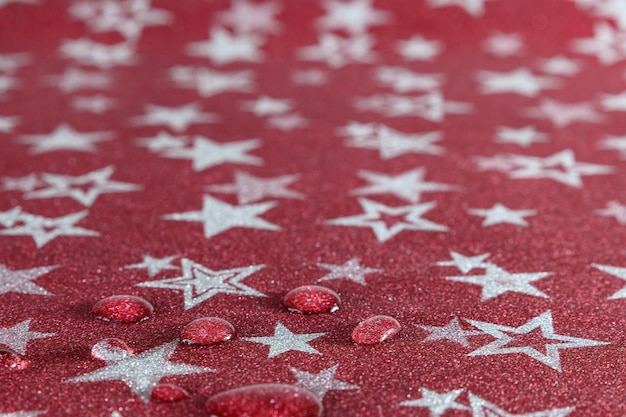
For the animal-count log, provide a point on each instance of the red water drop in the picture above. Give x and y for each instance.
(207, 331)
(168, 393)
(12, 360)
(123, 309)
(111, 350)
(265, 400)
(374, 330)
(312, 299)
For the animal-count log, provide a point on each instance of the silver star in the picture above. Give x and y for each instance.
(74, 79)
(209, 83)
(436, 403)
(543, 322)
(284, 340)
(250, 188)
(21, 281)
(351, 270)
(617, 143)
(338, 51)
(143, 371)
(521, 81)
(176, 118)
(411, 219)
(88, 52)
(407, 185)
(523, 136)
(483, 408)
(75, 187)
(403, 80)
(451, 331)
(420, 48)
(45, 229)
(321, 382)
(614, 102)
(206, 153)
(392, 143)
(200, 283)
(64, 138)
(21, 413)
(618, 272)
(504, 45)
(431, 106)
(500, 213)
(248, 17)
(223, 47)
(25, 183)
(218, 216)
(564, 114)
(606, 44)
(266, 105)
(497, 281)
(10, 217)
(560, 65)
(18, 336)
(466, 263)
(353, 16)
(614, 209)
(287, 122)
(94, 104)
(162, 141)
(154, 265)
(474, 7)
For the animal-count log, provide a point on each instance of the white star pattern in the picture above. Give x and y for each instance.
(523, 136)
(543, 322)
(176, 118)
(218, 216)
(564, 114)
(353, 16)
(250, 189)
(560, 65)
(436, 403)
(520, 81)
(206, 153)
(321, 382)
(22, 281)
(617, 143)
(351, 269)
(209, 83)
(7, 123)
(75, 79)
(476, 8)
(430, 106)
(483, 408)
(154, 265)
(419, 48)
(284, 340)
(608, 44)
(26, 183)
(200, 283)
(64, 138)
(504, 45)
(265, 106)
(614, 102)
(452, 332)
(18, 336)
(614, 209)
(21, 413)
(250, 17)
(88, 52)
(499, 214)
(618, 272)
(403, 80)
(162, 141)
(94, 104)
(223, 47)
(337, 51)
(407, 218)
(466, 263)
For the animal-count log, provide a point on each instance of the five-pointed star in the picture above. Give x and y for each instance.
(321, 382)
(21, 413)
(143, 371)
(564, 114)
(523, 136)
(474, 7)
(407, 185)
(218, 216)
(73, 79)
(402, 218)
(287, 122)
(543, 322)
(351, 270)
(451, 331)
(607, 44)
(245, 16)
(614, 209)
(617, 143)
(7, 123)
(392, 143)
(222, 47)
(45, 229)
(162, 141)
(419, 48)
(250, 189)
(21, 281)
(265, 106)
(466, 263)
(436, 403)
(284, 340)
(337, 51)
(499, 213)
(497, 281)
(353, 16)
(64, 138)
(206, 153)
(129, 17)
(82, 188)
(612, 9)
(560, 65)
(403, 80)
(618, 272)
(18, 336)
(26, 183)
(431, 106)
(200, 283)
(483, 408)
(210, 83)
(521, 81)
(176, 118)
(10, 217)
(504, 44)
(154, 265)
(88, 52)
(614, 102)
(94, 104)
(561, 166)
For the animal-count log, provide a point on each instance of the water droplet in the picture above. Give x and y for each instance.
(374, 330)
(12, 360)
(123, 309)
(312, 299)
(168, 393)
(111, 350)
(207, 331)
(265, 400)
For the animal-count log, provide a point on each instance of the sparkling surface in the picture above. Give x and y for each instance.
(374, 330)
(111, 350)
(265, 400)
(123, 309)
(312, 299)
(168, 393)
(207, 331)
(12, 361)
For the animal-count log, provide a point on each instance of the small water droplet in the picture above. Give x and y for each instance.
(207, 331)
(374, 330)
(111, 350)
(168, 393)
(12, 360)
(123, 309)
(265, 400)
(312, 299)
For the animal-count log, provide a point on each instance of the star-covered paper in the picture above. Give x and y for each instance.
(457, 165)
